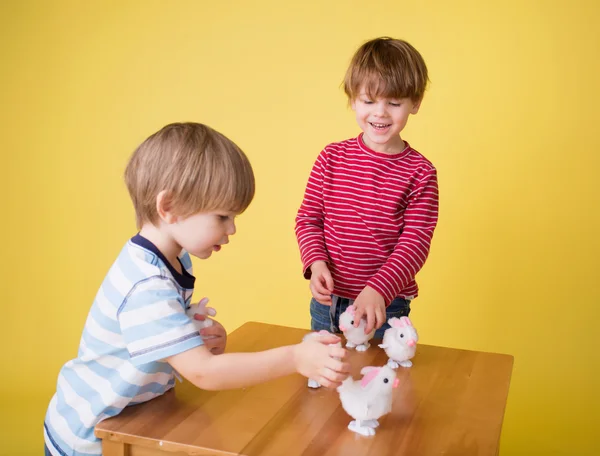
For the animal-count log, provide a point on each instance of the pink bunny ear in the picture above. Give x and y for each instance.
(351, 310)
(395, 322)
(406, 321)
(370, 375)
(203, 303)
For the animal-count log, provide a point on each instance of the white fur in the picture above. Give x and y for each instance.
(201, 309)
(366, 404)
(395, 342)
(356, 337)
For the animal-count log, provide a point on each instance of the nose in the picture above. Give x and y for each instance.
(411, 343)
(231, 228)
(380, 108)
(396, 383)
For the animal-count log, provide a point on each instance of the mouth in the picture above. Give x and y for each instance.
(379, 126)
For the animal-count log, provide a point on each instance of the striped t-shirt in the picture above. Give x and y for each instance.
(371, 216)
(136, 321)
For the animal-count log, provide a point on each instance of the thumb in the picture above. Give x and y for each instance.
(327, 339)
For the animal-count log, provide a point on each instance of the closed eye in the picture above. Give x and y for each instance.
(393, 103)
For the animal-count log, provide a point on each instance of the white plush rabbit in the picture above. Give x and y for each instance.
(400, 342)
(311, 382)
(356, 337)
(201, 309)
(368, 399)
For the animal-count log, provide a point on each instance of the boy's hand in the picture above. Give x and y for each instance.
(214, 337)
(314, 358)
(321, 282)
(370, 303)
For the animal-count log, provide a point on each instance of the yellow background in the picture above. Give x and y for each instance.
(510, 121)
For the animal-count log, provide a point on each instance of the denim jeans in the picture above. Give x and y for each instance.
(321, 315)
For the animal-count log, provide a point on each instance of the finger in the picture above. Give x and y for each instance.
(328, 281)
(321, 289)
(199, 317)
(322, 298)
(358, 316)
(333, 376)
(380, 317)
(339, 367)
(328, 339)
(370, 321)
(337, 352)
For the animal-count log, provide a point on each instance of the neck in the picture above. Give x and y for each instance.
(392, 147)
(163, 242)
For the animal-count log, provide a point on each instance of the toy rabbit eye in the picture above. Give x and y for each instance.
(385, 380)
(352, 322)
(401, 335)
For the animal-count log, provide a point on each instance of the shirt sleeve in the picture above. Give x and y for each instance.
(412, 248)
(309, 220)
(154, 323)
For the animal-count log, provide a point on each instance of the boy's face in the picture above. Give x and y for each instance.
(382, 120)
(204, 233)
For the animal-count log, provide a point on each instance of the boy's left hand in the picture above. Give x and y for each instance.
(370, 303)
(214, 337)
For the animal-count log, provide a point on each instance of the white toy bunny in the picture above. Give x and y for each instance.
(356, 337)
(368, 399)
(400, 342)
(201, 309)
(311, 382)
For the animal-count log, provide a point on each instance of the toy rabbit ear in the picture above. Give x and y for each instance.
(370, 374)
(203, 302)
(395, 322)
(210, 311)
(406, 321)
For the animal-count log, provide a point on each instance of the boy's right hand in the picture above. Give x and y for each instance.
(321, 282)
(315, 359)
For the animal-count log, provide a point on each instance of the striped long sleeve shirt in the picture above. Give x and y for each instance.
(370, 216)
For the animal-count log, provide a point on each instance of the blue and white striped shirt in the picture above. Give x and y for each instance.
(136, 321)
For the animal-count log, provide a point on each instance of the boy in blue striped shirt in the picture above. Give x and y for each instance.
(187, 183)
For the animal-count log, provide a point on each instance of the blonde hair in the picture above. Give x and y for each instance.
(199, 168)
(389, 68)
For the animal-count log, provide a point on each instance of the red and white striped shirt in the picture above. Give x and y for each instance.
(370, 216)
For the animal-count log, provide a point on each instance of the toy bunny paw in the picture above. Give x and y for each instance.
(313, 383)
(363, 347)
(393, 364)
(350, 345)
(373, 424)
(355, 426)
(407, 363)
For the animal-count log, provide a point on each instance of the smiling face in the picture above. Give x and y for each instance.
(382, 119)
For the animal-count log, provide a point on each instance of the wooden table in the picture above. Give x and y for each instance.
(451, 402)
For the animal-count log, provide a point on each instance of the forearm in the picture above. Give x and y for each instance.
(238, 370)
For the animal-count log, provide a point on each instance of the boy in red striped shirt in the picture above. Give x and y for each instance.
(371, 203)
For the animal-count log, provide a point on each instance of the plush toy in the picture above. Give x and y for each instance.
(356, 337)
(368, 399)
(201, 309)
(400, 342)
(311, 382)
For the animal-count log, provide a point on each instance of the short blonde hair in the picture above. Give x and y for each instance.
(389, 68)
(200, 169)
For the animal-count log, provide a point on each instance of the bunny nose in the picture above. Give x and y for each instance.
(396, 382)
(343, 328)
(411, 343)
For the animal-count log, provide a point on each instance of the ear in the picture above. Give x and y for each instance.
(395, 322)
(406, 321)
(353, 104)
(164, 207)
(416, 106)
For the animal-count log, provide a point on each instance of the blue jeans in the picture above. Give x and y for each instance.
(321, 316)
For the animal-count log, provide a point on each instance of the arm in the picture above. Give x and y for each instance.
(309, 220)
(313, 358)
(412, 248)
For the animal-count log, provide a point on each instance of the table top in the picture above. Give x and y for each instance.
(450, 402)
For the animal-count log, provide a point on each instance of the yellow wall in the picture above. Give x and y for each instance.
(510, 121)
